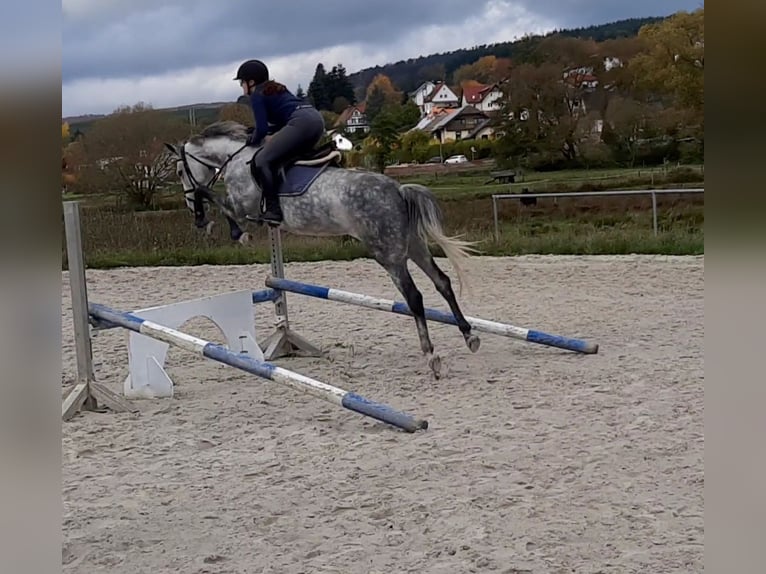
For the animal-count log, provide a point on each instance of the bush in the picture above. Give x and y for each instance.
(596, 155)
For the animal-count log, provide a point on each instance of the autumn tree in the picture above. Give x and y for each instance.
(124, 152)
(540, 119)
(65, 134)
(566, 52)
(673, 63)
(237, 112)
(380, 93)
(486, 70)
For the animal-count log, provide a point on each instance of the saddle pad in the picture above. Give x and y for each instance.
(298, 178)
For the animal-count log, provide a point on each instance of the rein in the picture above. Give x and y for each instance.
(204, 192)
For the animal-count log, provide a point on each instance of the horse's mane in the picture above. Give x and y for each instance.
(226, 129)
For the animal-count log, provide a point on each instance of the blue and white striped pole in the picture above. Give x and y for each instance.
(502, 329)
(348, 400)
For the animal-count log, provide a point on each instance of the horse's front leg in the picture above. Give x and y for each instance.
(236, 233)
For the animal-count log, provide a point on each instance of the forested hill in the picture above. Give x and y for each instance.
(407, 75)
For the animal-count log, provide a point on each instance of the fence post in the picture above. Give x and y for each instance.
(497, 225)
(654, 212)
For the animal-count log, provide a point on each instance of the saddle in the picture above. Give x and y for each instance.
(324, 154)
(296, 174)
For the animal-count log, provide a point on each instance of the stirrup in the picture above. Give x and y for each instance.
(260, 220)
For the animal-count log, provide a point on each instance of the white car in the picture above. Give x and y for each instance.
(456, 159)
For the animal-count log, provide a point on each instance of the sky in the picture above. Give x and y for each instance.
(177, 52)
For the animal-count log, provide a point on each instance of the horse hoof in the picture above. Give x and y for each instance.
(435, 364)
(244, 239)
(473, 342)
(209, 227)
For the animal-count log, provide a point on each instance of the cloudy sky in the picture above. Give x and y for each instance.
(175, 52)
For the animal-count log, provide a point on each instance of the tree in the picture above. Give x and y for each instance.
(318, 92)
(325, 89)
(125, 152)
(375, 101)
(414, 145)
(241, 113)
(299, 93)
(380, 144)
(431, 72)
(65, 134)
(542, 121)
(339, 104)
(389, 123)
(566, 52)
(390, 94)
(339, 86)
(673, 64)
(624, 128)
(485, 70)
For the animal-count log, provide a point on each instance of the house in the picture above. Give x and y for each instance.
(430, 118)
(430, 96)
(487, 98)
(456, 124)
(354, 119)
(611, 62)
(418, 95)
(581, 78)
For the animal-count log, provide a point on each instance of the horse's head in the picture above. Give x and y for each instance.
(201, 161)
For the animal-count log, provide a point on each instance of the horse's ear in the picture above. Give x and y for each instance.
(173, 149)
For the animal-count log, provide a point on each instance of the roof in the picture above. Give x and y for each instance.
(439, 120)
(483, 124)
(436, 89)
(426, 122)
(420, 87)
(348, 112)
(475, 93)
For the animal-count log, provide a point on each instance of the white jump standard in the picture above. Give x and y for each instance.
(93, 315)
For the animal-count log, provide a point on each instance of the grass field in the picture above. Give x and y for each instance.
(114, 237)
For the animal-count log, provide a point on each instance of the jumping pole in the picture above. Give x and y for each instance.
(493, 327)
(245, 362)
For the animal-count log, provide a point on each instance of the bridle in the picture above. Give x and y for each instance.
(201, 191)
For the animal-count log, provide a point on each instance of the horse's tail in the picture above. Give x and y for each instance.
(426, 215)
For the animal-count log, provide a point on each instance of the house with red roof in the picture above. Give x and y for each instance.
(487, 98)
(353, 119)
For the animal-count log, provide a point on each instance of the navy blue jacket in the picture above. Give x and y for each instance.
(271, 111)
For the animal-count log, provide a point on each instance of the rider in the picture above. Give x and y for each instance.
(296, 127)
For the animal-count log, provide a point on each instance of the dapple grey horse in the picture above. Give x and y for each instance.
(394, 221)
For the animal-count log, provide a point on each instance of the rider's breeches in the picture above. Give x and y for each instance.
(302, 132)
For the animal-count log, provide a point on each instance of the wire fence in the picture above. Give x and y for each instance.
(637, 192)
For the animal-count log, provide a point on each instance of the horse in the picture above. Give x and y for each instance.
(393, 221)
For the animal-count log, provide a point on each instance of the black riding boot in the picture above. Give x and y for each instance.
(268, 183)
(273, 213)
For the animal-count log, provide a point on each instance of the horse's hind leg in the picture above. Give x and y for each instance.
(406, 286)
(422, 257)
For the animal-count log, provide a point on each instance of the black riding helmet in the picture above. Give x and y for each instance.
(254, 70)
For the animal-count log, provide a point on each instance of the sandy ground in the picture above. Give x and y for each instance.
(537, 460)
